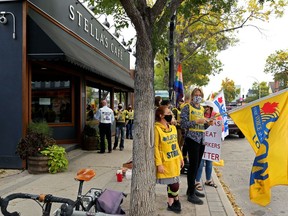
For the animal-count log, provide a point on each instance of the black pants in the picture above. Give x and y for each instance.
(195, 153)
(105, 130)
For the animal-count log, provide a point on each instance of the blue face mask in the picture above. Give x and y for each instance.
(197, 99)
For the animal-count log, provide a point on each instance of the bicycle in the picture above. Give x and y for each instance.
(83, 205)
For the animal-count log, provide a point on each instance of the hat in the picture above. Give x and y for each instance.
(209, 104)
(120, 104)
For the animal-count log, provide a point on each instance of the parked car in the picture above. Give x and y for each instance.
(233, 128)
(164, 94)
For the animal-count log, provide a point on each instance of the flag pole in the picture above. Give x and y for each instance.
(171, 57)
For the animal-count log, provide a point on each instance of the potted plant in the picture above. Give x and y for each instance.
(29, 148)
(90, 137)
(58, 161)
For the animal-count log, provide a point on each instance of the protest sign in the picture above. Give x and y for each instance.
(212, 141)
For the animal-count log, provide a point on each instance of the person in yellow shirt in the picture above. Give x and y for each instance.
(193, 120)
(168, 156)
(130, 122)
(120, 118)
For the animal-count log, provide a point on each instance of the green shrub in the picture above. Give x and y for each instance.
(41, 128)
(58, 161)
(38, 137)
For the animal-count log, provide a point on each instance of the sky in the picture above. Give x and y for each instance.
(245, 62)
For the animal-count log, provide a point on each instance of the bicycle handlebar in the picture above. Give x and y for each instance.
(41, 198)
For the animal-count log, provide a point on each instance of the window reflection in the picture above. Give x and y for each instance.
(51, 101)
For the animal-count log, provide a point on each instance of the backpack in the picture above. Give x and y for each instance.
(110, 202)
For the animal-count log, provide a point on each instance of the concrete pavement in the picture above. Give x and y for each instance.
(63, 184)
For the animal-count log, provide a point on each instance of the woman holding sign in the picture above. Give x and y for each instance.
(209, 114)
(192, 119)
(168, 157)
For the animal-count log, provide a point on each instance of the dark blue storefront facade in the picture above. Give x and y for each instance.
(50, 51)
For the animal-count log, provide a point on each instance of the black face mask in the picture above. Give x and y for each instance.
(168, 118)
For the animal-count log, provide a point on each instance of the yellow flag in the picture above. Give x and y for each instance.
(265, 125)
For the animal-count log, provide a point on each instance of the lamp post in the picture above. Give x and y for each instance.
(171, 56)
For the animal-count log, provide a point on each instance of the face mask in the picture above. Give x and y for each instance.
(119, 107)
(168, 118)
(197, 99)
(129, 108)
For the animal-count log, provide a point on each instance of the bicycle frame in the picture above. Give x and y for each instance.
(46, 199)
(83, 203)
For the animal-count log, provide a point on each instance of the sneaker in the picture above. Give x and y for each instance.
(173, 208)
(198, 194)
(114, 147)
(177, 204)
(121, 148)
(194, 199)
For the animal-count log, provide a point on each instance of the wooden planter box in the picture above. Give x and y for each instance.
(38, 164)
(90, 143)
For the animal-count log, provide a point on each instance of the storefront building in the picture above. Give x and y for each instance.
(51, 54)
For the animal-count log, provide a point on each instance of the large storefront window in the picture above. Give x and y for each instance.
(93, 97)
(52, 100)
(120, 97)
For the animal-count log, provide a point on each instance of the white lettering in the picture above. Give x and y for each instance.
(79, 18)
(102, 38)
(119, 53)
(91, 30)
(106, 42)
(96, 34)
(86, 24)
(71, 11)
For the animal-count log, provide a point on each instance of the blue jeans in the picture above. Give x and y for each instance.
(119, 130)
(208, 170)
(129, 128)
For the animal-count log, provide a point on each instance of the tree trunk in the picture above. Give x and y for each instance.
(143, 196)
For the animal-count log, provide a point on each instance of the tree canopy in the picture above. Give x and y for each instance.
(277, 65)
(150, 20)
(230, 90)
(203, 31)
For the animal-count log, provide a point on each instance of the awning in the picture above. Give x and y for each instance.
(70, 49)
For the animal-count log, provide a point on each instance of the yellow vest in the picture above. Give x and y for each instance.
(167, 151)
(130, 115)
(120, 115)
(195, 114)
(182, 105)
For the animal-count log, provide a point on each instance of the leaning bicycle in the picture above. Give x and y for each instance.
(95, 202)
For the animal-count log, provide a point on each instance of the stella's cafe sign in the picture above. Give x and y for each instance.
(212, 141)
(94, 32)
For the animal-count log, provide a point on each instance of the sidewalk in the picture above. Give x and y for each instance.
(63, 184)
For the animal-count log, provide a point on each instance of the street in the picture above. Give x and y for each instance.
(238, 157)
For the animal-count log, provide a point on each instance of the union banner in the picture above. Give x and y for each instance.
(265, 125)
